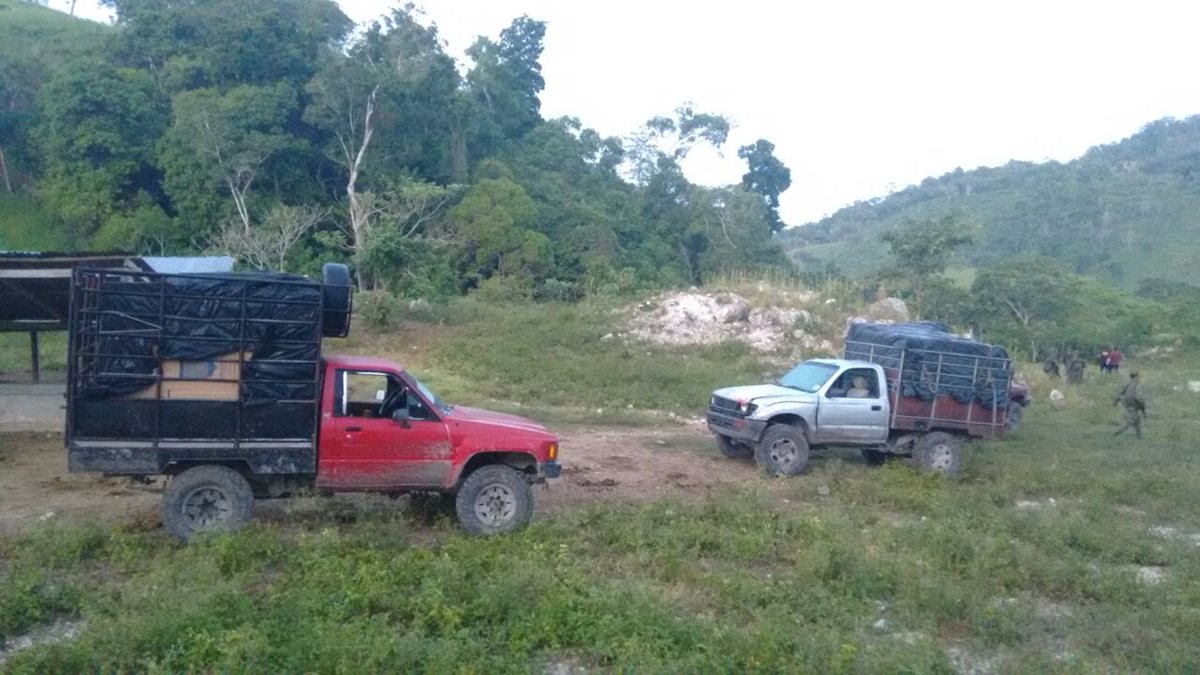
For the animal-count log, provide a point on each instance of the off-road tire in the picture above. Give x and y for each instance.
(494, 499)
(875, 457)
(734, 449)
(939, 452)
(206, 499)
(1016, 411)
(782, 450)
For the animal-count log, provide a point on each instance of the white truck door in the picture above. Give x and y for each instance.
(853, 409)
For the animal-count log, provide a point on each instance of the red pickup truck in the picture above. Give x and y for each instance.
(217, 382)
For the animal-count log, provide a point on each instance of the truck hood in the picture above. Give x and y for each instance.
(480, 416)
(764, 394)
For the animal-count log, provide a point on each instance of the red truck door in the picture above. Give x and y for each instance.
(363, 448)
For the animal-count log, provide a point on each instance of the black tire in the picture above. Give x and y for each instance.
(734, 449)
(494, 499)
(1016, 411)
(337, 296)
(875, 457)
(207, 499)
(939, 452)
(782, 450)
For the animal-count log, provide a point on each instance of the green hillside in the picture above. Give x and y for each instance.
(36, 43)
(1122, 212)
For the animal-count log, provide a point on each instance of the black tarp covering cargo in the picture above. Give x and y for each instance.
(934, 362)
(125, 325)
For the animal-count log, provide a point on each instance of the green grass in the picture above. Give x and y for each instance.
(553, 356)
(25, 226)
(1029, 562)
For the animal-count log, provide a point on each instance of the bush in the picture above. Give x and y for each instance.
(556, 290)
(502, 288)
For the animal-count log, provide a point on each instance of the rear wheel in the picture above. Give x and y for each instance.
(939, 452)
(1015, 412)
(207, 499)
(734, 449)
(493, 500)
(782, 450)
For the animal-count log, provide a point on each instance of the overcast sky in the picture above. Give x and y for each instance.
(860, 98)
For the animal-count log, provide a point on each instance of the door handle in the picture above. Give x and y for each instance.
(353, 428)
(876, 408)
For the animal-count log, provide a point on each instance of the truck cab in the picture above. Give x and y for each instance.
(383, 430)
(835, 402)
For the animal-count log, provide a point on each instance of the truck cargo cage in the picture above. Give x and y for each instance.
(937, 380)
(220, 366)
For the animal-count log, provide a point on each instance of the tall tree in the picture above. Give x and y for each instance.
(766, 176)
(97, 134)
(921, 250)
(223, 142)
(506, 82)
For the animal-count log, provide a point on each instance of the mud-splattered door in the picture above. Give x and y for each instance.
(364, 448)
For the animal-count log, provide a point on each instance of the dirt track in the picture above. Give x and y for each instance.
(600, 464)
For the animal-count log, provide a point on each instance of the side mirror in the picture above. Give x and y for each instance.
(401, 416)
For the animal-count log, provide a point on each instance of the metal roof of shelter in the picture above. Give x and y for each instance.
(35, 287)
(190, 265)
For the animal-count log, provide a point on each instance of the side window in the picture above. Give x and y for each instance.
(856, 383)
(862, 383)
(366, 394)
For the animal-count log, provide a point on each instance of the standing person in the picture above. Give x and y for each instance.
(1130, 397)
(1114, 360)
(1104, 360)
(1075, 366)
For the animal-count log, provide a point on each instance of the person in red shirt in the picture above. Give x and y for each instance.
(1114, 360)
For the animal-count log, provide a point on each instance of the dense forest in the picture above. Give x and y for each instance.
(281, 132)
(1124, 213)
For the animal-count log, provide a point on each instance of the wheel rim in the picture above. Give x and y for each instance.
(207, 506)
(941, 457)
(496, 505)
(783, 452)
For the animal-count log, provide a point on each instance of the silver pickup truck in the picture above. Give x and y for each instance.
(908, 401)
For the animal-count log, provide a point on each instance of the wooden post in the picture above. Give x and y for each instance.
(33, 349)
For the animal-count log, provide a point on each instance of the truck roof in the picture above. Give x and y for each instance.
(362, 362)
(846, 362)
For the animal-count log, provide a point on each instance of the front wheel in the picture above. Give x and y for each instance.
(734, 449)
(782, 450)
(493, 500)
(207, 499)
(939, 452)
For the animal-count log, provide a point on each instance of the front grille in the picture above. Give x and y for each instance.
(725, 406)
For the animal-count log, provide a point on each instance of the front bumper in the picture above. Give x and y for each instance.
(735, 427)
(551, 469)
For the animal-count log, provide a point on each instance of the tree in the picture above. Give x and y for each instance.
(664, 140)
(506, 80)
(729, 229)
(492, 223)
(223, 141)
(97, 136)
(395, 81)
(766, 176)
(267, 245)
(1023, 299)
(921, 250)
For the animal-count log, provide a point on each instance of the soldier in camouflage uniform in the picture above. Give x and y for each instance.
(1075, 366)
(1130, 397)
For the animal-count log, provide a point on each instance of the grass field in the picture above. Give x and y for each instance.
(1061, 549)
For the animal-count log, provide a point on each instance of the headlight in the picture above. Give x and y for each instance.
(746, 407)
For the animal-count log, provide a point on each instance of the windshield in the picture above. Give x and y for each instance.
(808, 376)
(434, 398)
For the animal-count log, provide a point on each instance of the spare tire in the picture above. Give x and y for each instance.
(337, 297)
